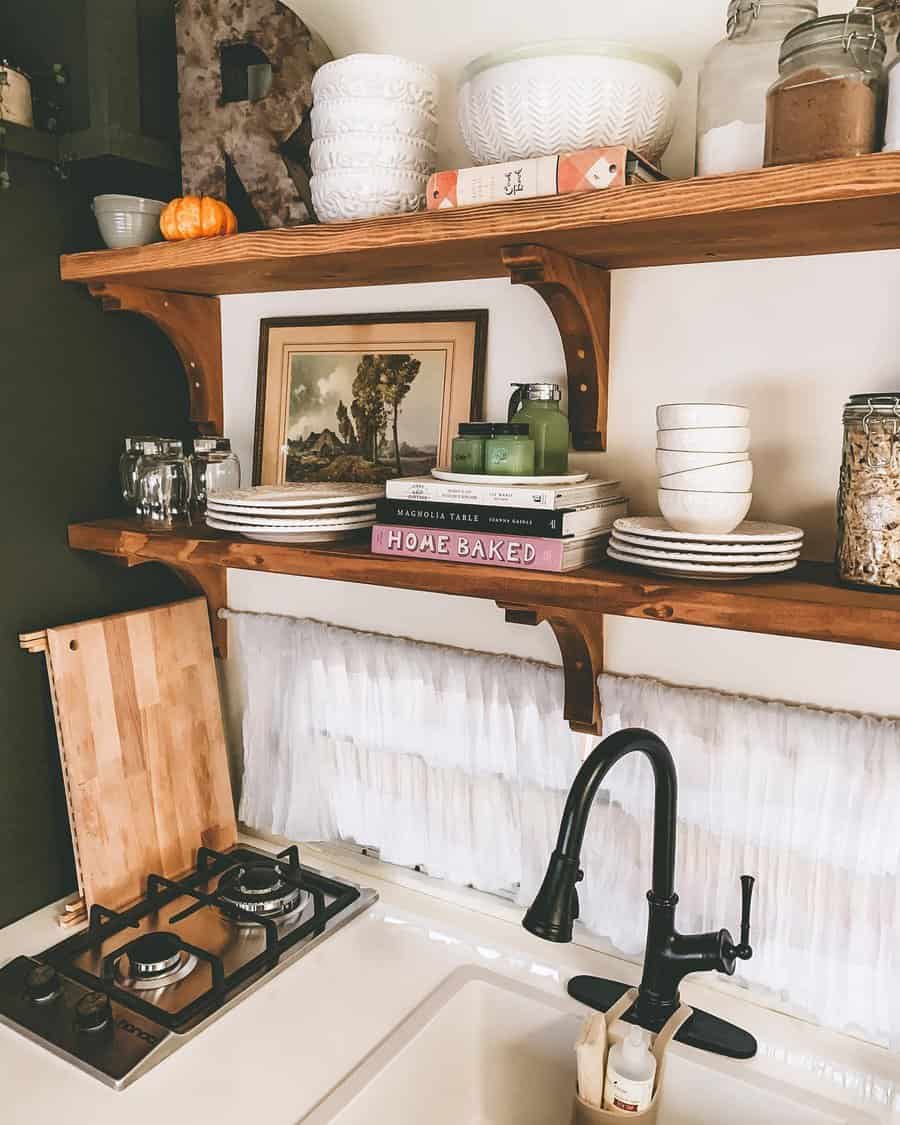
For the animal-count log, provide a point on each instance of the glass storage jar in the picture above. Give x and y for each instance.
(538, 405)
(509, 452)
(887, 15)
(467, 454)
(214, 468)
(868, 544)
(827, 101)
(163, 485)
(737, 73)
(134, 450)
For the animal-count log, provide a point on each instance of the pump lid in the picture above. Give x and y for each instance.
(540, 392)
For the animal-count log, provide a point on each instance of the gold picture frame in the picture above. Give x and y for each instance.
(365, 397)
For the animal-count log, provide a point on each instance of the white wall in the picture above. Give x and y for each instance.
(792, 338)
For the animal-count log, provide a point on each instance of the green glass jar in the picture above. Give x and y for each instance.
(538, 405)
(510, 451)
(467, 454)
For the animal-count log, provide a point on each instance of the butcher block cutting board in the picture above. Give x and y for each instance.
(136, 701)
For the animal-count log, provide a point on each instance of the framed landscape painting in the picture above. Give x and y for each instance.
(365, 398)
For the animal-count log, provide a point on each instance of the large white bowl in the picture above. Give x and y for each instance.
(372, 150)
(686, 415)
(706, 439)
(704, 513)
(676, 461)
(340, 196)
(127, 220)
(565, 95)
(332, 117)
(736, 477)
(378, 76)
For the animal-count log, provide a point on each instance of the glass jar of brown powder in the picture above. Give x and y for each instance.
(827, 102)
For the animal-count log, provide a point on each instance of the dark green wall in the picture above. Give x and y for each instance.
(73, 382)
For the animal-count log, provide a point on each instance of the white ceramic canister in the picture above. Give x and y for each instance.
(15, 96)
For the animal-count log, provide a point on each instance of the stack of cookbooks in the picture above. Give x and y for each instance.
(559, 527)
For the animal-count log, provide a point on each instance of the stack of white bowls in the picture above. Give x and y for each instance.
(374, 127)
(705, 471)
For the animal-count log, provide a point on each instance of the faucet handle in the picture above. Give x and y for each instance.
(744, 950)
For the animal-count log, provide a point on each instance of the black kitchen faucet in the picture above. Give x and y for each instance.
(669, 955)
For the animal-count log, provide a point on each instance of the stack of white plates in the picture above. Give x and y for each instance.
(752, 548)
(295, 513)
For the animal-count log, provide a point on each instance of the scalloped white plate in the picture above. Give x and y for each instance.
(725, 557)
(702, 570)
(287, 517)
(487, 478)
(308, 495)
(750, 531)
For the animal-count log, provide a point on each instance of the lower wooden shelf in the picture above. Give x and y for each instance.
(807, 602)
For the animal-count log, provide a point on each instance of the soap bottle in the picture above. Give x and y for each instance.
(630, 1072)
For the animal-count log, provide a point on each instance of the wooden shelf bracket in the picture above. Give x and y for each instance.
(578, 296)
(193, 324)
(210, 582)
(580, 637)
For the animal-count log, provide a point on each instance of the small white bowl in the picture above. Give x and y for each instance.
(344, 195)
(686, 415)
(372, 150)
(704, 513)
(672, 461)
(333, 117)
(127, 220)
(377, 76)
(736, 477)
(705, 439)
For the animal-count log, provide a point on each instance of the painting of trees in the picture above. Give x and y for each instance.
(397, 373)
(368, 409)
(345, 426)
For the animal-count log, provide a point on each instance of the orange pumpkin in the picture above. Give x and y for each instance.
(196, 216)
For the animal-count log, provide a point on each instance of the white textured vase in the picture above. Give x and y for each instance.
(562, 97)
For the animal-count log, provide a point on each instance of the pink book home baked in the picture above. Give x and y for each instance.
(520, 552)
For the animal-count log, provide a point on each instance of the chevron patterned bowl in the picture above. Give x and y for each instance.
(564, 96)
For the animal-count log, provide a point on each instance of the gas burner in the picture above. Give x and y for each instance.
(153, 960)
(261, 889)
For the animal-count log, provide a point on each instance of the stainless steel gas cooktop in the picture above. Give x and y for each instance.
(118, 997)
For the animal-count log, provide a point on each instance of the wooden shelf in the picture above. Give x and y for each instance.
(807, 602)
(823, 208)
(36, 144)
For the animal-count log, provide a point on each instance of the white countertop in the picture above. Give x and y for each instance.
(284, 1047)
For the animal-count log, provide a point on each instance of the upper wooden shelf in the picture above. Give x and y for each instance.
(823, 208)
(805, 603)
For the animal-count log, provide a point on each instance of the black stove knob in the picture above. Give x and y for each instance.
(93, 1012)
(42, 984)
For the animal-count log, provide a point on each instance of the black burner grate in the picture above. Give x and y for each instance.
(106, 923)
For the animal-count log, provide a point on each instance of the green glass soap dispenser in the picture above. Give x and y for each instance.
(538, 405)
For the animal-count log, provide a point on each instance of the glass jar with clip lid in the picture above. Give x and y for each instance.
(827, 102)
(868, 511)
(737, 73)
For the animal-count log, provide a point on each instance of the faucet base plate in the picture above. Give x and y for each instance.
(703, 1030)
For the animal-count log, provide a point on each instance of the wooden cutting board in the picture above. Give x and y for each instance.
(142, 744)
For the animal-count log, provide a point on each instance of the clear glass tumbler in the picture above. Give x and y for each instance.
(214, 468)
(128, 462)
(163, 485)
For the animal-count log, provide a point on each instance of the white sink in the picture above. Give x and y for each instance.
(486, 1050)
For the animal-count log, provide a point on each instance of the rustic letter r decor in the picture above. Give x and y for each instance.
(244, 74)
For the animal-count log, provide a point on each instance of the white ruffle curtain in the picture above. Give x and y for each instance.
(461, 762)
